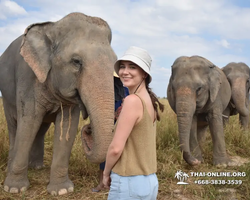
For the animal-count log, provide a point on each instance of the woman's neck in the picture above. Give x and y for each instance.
(137, 89)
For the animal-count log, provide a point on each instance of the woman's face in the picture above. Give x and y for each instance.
(131, 74)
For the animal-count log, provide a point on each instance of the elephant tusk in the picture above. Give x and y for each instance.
(225, 116)
(232, 104)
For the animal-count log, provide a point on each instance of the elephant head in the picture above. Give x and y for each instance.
(74, 60)
(238, 75)
(192, 89)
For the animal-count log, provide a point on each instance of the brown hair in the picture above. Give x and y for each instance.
(154, 99)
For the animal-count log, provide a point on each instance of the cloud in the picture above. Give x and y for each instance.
(10, 9)
(224, 43)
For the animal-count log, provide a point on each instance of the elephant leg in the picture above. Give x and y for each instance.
(37, 150)
(244, 120)
(219, 147)
(201, 137)
(27, 128)
(193, 142)
(12, 128)
(59, 181)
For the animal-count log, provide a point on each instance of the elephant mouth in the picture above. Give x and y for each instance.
(87, 139)
(82, 107)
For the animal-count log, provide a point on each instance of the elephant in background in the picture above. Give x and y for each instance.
(48, 75)
(198, 92)
(238, 75)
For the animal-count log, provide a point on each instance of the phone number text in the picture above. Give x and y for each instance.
(218, 182)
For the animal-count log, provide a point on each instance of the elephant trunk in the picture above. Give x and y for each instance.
(99, 103)
(101, 121)
(239, 96)
(185, 107)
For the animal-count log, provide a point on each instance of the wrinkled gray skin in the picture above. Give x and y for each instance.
(48, 75)
(238, 75)
(198, 92)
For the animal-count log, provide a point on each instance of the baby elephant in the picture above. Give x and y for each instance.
(199, 92)
(238, 76)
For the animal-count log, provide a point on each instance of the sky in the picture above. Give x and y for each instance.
(218, 30)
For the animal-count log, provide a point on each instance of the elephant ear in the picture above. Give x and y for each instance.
(214, 81)
(36, 49)
(170, 94)
(223, 69)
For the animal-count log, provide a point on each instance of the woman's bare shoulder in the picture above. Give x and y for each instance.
(132, 100)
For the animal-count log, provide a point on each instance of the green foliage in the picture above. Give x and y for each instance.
(85, 174)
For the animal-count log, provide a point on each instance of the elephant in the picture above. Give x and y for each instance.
(238, 75)
(198, 92)
(51, 74)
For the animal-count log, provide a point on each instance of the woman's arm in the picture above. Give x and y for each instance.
(131, 113)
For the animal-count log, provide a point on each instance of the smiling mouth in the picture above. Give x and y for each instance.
(126, 78)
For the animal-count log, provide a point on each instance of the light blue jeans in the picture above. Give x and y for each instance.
(133, 187)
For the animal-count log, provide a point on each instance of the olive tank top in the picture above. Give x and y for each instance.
(139, 154)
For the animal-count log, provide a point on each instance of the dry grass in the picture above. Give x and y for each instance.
(84, 174)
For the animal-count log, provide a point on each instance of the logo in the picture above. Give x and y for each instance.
(181, 176)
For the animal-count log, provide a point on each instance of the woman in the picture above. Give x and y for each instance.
(132, 153)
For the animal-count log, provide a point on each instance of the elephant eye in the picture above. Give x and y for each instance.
(198, 91)
(248, 85)
(76, 62)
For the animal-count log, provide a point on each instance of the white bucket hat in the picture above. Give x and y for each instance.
(138, 56)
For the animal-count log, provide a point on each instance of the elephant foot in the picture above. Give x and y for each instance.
(36, 164)
(195, 162)
(222, 162)
(197, 155)
(36, 159)
(190, 159)
(60, 189)
(12, 185)
(200, 158)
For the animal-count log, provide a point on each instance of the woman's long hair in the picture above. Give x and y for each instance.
(154, 99)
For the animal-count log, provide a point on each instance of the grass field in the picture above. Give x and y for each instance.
(84, 174)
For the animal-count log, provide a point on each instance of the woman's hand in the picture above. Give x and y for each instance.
(106, 181)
